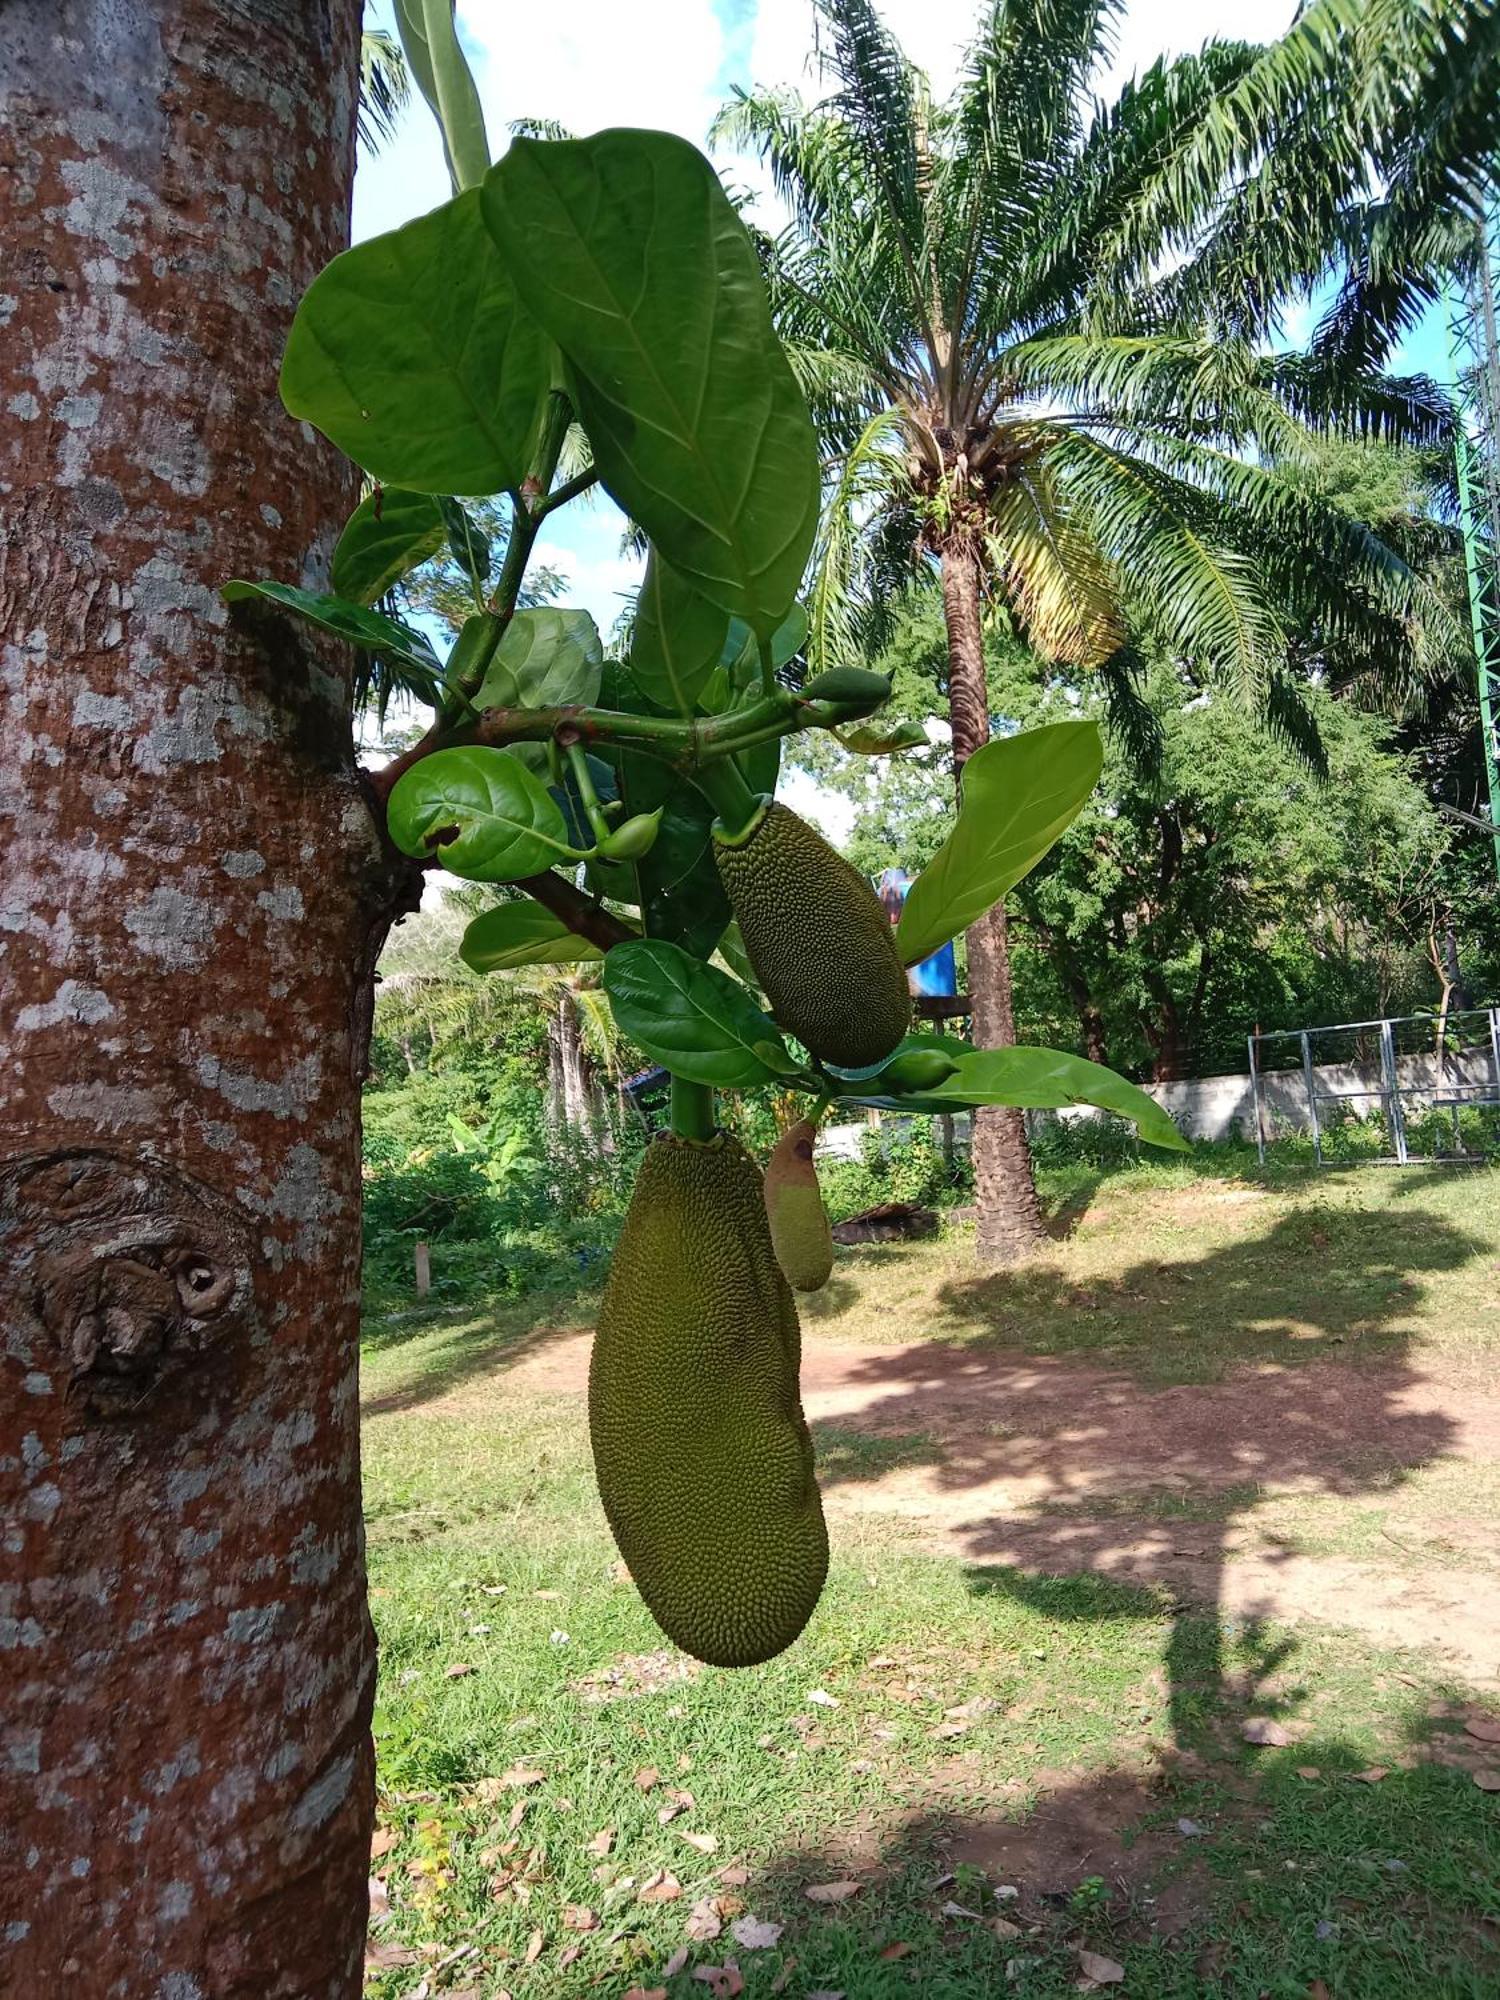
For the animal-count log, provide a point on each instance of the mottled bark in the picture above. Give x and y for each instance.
(193, 894)
(1009, 1216)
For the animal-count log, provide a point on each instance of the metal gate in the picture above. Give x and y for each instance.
(1433, 1086)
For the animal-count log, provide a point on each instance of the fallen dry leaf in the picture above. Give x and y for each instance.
(1261, 1730)
(660, 1886)
(647, 1993)
(826, 1993)
(565, 1957)
(831, 1892)
(578, 1917)
(601, 1843)
(1371, 1777)
(823, 1699)
(753, 1934)
(1004, 1929)
(383, 1840)
(706, 1843)
(1103, 1971)
(386, 1957)
(457, 1671)
(380, 1902)
(548, 1596)
(897, 1950)
(521, 1774)
(1483, 1728)
(1317, 1991)
(724, 1981)
(516, 1814)
(783, 1978)
(881, 1660)
(704, 1922)
(1487, 1781)
(1308, 1771)
(676, 1962)
(678, 1802)
(647, 1776)
(734, 1876)
(534, 1946)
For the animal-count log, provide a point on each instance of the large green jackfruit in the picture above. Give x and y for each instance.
(704, 1461)
(800, 1234)
(820, 944)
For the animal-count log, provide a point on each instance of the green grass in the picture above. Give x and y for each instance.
(1093, 1716)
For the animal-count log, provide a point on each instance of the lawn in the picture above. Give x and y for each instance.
(1080, 1545)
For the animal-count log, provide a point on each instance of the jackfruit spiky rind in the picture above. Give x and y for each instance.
(703, 1457)
(821, 946)
(800, 1234)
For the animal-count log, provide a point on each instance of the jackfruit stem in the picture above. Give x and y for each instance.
(738, 807)
(692, 1109)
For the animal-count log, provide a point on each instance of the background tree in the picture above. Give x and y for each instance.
(195, 893)
(1093, 460)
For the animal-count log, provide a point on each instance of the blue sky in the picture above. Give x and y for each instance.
(671, 63)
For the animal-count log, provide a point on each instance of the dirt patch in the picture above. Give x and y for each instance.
(1080, 1834)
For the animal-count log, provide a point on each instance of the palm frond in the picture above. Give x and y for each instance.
(384, 88)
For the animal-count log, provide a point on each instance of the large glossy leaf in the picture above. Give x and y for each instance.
(1031, 1078)
(1018, 795)
(386, 637)
(412, 353)
(1049, 1078)
(677, 639)
(693, 1019)
(629, 252)
(481, 812)
(389, 533)
(547, 659)
(677, 885)
(522, 933)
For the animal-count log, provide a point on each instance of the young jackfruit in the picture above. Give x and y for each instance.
(800, 1234)
(704, 1461)
(820, 944)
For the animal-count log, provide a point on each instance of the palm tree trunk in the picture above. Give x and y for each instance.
(1009, 1216)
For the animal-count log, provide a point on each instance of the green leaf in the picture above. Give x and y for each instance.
(521, 933)
(629, 252)
(1047, 1079)
(677, 640)
(693, 1019)
(1040, 1079)
(876, 739)
(1018, 795)
(412, 354)
(389, 533)
(547, 659)
(507, 823)
(437, 61)
(386, 637)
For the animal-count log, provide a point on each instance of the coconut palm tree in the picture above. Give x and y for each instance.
(1085, 458)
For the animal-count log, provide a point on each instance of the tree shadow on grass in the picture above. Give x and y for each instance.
(1231, 1876)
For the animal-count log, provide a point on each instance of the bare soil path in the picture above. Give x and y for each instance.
(1355, 1495)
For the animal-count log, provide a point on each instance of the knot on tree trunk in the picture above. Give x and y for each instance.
(124, 1272)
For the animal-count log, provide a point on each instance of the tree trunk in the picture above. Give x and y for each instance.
(1009, 1216)
(194, 890)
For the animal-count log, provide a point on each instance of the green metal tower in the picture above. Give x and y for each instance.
(1475, 330)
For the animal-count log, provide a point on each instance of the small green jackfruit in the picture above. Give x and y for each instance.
(703, 1457)
(819, 942)
(800, 1235)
